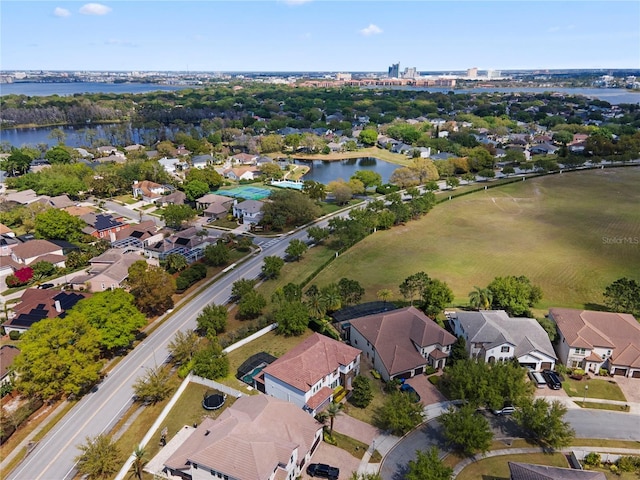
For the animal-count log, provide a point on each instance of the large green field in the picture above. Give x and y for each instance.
(560, 231)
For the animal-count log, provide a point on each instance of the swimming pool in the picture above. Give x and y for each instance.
(287, 184)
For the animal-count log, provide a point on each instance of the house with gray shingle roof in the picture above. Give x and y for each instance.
(308, 374)
(257, 438)
(249, 211)
(593, 340)
(493, 336)
(528, 471)
(400, 343)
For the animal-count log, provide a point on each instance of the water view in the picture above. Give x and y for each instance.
(325, 172)
(45, 89)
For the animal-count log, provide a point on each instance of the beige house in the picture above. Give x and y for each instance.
(257, 438)
(593, 340)
(107, 271)
(38, 250)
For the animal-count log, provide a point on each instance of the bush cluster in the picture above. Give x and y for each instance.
(191, 275)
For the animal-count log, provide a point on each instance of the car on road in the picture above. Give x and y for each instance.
(44, 286)
(507, 409)
(323, 470)
(406, 388)
(552, 379)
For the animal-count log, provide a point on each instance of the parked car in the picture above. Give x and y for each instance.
(406, 388)
(323, 470)
(537, 379)
(44, 286)
(552, 379)
(507, 409)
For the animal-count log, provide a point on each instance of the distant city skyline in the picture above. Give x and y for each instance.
(318, 35)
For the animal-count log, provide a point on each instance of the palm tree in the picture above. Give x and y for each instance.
(138, 461)
(480, 298)
(333, 410)
(316, 306)
(330, 297)
(385, 294)
(176, 262)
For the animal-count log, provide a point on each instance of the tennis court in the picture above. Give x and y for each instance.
(248, 193)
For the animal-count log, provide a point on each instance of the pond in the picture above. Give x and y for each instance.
(327, 171)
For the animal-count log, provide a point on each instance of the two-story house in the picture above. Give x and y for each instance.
(103, 225)
(593, 340)
(148, 191)
(493, 336)
(308, 374)
(36, 250)
(400, 343)
(249, 211)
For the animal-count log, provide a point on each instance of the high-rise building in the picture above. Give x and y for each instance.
(472, 72)
(410, 72)
(493, 74)
(394, 70)
(343, 76)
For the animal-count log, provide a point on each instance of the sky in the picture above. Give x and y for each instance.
(317, 35)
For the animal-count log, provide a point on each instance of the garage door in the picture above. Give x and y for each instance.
(636, 374)
(620, 371)
(546, 366)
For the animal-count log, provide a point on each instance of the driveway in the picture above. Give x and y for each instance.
(354, 428)
(630, 387)
(429, 394)
(335, 457)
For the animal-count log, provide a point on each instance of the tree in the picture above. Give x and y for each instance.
(196, 189)
(333, 410)
(183, 346)
(271, 143)
(384, 294)
(351, 291)
(175, 215)
(272, 170)
(54, 224)
(216, 255)
(138, 461)
(212, 319)
(545, 422)
(272, 266)
(414, 284)
(251, 305)
(153, 386)
(151, 287)
(242, 287)
(58, 356)
(435, 297)
(424, 169)
(458, 351)
(368, 136)
(341, 190)
(43, 269)
(480, 298)
(287, 208)
(315, 190)
(99, 457)
(331, 298)
(292, 318)
(623, 296)
(369, 178)
(58, 154)
(58, 135)
(404, 177)
(318, 234)
(466, 431)
(211, 362)
(453, 182)
(114, 314)
(514, 294)
(361, 393)
(17, 163)
(207, 175)
(398, 414)
(175, 262)
(296, 249)
(428, 466)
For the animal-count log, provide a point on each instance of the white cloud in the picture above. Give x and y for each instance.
(371, 30)
(94, 9)
(61, 12)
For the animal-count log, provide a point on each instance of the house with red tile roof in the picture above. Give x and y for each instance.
(148, 191)
(308, 374)
(400, 343)
(257, 438)
(593, 340)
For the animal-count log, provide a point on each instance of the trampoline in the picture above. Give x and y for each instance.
(249, 193)
(213, 401)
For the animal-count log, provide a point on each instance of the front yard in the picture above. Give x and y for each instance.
(598, 388)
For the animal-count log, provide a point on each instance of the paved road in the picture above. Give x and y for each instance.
(130, 214)
(586, 423)
(98, 412)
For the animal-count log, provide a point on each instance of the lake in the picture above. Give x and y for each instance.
(34, 89)
(325, 172)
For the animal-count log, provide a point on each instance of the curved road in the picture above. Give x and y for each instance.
(98, 412)
(587, 424)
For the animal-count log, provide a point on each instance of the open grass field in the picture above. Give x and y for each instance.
(561, 231)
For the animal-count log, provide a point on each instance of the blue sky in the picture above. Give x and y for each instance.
(318, 35)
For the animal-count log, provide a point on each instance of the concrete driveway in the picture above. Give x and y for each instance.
(630, 387)
(354, 428)
(335, 457)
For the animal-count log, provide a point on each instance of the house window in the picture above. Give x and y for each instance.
(608, 353)
(580, 351)
(504, 350)
(195, 466)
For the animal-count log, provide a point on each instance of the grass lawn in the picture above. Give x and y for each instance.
(550, 229)
(604, 406)
(379, 396)
(602, 389)
(496, 468)
(355, 447)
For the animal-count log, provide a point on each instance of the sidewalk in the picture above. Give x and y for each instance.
(25, 443)
(570, 402)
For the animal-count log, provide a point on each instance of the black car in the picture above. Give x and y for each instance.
(44, 286)
(552, 379)
(323, 470)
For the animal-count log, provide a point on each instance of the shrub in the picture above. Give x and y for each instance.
(434, 380)
(329, 439)
(24, 275)
(628, 464)
(375, 374)
(191, 275)
(603, 372)
(592, 459)
(429, 370)
(14, 335)
(578, 371)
